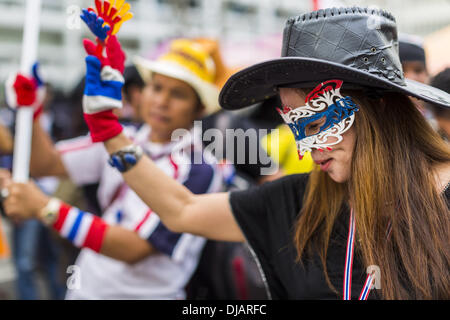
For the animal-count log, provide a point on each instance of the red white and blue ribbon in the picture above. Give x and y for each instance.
(347, 291)
(349, 258)
(367, 287)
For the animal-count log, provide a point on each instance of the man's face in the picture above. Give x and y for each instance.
(169, 104)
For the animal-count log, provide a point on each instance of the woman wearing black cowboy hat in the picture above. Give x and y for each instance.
(372, 220)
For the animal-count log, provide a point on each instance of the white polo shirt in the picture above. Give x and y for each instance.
(159, 276)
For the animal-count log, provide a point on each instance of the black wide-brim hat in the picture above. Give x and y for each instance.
(356, 45)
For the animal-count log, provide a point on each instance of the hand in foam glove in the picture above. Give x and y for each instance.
(102, 93)
(115, 57)
(22, 91)
(104, 81)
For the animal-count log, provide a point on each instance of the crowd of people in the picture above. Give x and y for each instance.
(359, 134)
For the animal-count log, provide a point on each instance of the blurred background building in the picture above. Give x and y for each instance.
(249, 29)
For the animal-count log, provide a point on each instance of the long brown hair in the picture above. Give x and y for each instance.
(392, 181)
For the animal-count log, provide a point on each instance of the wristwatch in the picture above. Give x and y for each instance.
(49, 213)
(126, 158)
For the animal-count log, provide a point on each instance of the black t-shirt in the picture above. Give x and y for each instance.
(267, 216)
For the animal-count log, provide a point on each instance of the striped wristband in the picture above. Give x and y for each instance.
(83, 229)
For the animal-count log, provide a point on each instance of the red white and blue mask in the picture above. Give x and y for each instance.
(327, 114)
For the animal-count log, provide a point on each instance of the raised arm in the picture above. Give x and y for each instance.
(45, 160)
(30, 92)
(6, 140)
(179, 209)
(207, 215)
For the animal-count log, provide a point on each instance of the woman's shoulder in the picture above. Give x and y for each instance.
(294, 182)
(297, 181)
(287, 189)
(270, 208)
(282, 189)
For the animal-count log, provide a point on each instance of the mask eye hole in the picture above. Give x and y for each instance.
(315, 126)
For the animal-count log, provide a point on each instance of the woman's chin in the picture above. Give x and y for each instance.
(337, 176)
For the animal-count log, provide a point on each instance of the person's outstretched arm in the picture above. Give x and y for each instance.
(45, 160)
(83, 229)
(179, 209)
(6, 140)
(207, 215)
(29, 92)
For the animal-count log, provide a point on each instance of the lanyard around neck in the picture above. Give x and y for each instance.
(347, 291)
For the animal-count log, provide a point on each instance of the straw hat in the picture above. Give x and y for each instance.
(189, 61)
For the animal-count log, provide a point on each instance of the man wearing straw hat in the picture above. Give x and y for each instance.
(128, 253)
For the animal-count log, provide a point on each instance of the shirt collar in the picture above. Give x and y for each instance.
(157, 150)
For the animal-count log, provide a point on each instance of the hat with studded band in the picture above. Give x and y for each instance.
(356, 45)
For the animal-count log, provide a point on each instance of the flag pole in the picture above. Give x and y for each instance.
(24, 116)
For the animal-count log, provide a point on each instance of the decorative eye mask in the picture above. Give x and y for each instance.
(327, 114)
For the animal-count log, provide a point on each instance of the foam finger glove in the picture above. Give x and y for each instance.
(114, 13)
(103, 92)
(115, 56)
(22, 91)
(95, 24)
